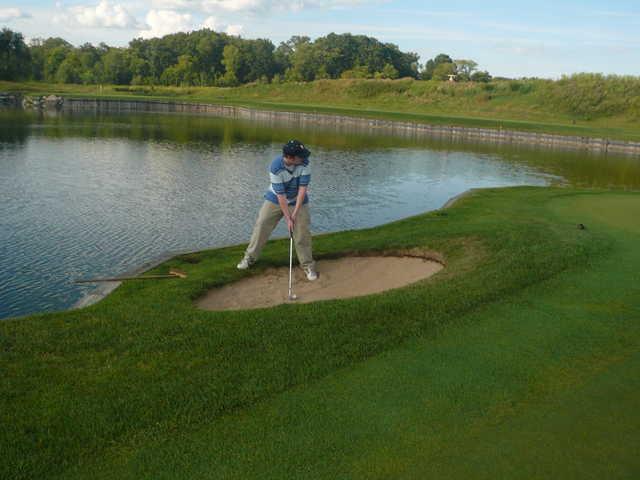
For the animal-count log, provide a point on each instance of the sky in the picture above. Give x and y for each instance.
(542, 38)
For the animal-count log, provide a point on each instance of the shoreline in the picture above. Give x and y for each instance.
(415, 129)
(102, 291)
(395, 127)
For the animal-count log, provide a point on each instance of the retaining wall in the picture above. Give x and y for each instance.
(395, 127)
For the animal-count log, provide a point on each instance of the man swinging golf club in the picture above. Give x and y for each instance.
(286, 197)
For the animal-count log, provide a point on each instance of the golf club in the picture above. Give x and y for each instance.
(173, 273)
(292, 296)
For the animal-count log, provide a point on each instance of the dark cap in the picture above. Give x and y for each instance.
(295, 148)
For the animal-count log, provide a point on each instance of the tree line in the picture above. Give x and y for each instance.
(208, 58)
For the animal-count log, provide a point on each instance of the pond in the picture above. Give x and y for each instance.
(97, 194)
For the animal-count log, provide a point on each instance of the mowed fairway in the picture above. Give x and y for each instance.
(520, 360)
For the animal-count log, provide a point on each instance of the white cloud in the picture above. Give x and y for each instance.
(174, 4)
(102, 15)
(254, 6)
(7, 14)
(212, 23)
(234, 5)
(234, 29)
(164, 22)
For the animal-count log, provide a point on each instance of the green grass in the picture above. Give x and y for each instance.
(517, 360)
(497, 105)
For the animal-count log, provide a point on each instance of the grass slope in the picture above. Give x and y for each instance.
(574, 108)
(502, 363)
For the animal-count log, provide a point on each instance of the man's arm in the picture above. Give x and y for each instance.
(284, 206)
(305, 179)
(299, 200)
(278, 187)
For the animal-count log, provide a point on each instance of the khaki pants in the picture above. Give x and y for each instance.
(268, 218)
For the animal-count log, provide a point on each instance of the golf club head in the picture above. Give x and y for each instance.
(293, 297)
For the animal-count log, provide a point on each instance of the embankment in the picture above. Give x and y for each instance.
(408, 129)
(413, 129)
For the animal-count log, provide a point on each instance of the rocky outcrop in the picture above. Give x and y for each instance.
(53, 101)
(10, 99)
(42, 102)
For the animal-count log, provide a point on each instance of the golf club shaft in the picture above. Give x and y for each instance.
(290, 263)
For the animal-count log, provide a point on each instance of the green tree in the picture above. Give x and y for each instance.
(357, 72)
(115, 67)
(232, 61)
(258, 56)
(182, 73)
(481, 76)
(340, 53)
(443, 70)
(389, 71)
(89, 55)
(322, 73)
(15, 58)
(304, 62)
(465, 69)
(37, 52)
(282, 58)
(431, 65)
(139, 67)
(70, 70)
(205, 57)
(53, 60)
(284, 53)
(209, 49)
(42, 66)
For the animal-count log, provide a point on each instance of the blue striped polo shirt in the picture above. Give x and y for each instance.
(286, 180)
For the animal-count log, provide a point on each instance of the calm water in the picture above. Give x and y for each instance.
(88, 195)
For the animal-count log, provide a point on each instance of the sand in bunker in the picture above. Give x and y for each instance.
(342, 278)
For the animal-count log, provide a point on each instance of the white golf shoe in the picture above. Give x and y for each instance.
(310, 273)
(245, 263)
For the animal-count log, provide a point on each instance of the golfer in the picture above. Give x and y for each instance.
(287, 197)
